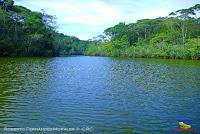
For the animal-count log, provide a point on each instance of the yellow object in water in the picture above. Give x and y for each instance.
(184, 126)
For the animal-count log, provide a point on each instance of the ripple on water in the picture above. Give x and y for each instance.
(110, 95)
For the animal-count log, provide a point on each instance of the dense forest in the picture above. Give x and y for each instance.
(174, 36)
(27, 33)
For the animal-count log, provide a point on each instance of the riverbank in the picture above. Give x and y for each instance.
(191, 50)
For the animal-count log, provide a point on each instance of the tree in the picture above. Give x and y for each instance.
(6, 4)
(167, 37)
(116, 31)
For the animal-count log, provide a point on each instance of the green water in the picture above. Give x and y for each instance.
(108, 95)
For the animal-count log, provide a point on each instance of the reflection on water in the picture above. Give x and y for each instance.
(21, 84)
(110, 95)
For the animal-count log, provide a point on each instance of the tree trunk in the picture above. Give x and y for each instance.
(183, 34)
(138, 36)
(15, 33)
(145, 33)
(149, 33)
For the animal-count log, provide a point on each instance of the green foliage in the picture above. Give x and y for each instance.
(116, 31)
(94, 50)
(68, 45)
(193, 47)
(33, 20)
(27, 33)
(175, 36)
(159, 38)
(21, 10)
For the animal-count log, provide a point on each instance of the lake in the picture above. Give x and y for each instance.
(99, 94)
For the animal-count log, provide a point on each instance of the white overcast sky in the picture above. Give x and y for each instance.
(88, 18)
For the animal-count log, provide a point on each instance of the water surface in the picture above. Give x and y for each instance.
(109, 95)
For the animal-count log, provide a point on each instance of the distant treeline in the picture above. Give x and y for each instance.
(174, 36)
(27, 33)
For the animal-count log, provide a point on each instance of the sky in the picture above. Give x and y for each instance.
(86, 19)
